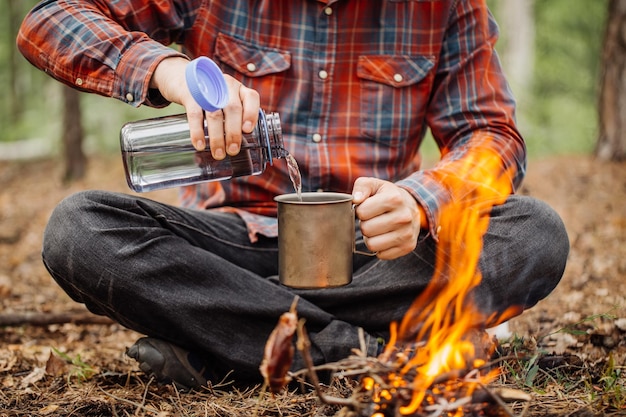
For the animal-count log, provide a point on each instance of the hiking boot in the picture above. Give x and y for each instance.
(169, 363)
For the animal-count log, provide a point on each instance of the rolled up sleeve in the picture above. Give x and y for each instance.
(100, 48)
(471, 107)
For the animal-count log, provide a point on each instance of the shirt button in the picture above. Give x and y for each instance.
(323, 74)
(328, 11)
(130, 97)
(398, 78)
(317, 138)
(79, 81)
(251, 67)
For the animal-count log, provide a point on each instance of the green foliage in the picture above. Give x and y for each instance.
(103, 117)
(79, 369)
(611, 384)
(38, 112)
(559, 115)
(569, 43)
(530, 365)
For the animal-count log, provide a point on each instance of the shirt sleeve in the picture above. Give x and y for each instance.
(104, 47)
(471, 109)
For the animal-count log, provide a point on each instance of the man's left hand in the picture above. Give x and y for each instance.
(390, 217)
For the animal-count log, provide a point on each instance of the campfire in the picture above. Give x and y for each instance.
(438, 358)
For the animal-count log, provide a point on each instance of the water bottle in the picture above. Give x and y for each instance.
(158, 152)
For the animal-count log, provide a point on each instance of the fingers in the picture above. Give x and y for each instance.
(224, 127)
(168, 76)
(392, 234)
(251, 102)
(232, 121)
(215, 130)
(389, 215)
(239, 116)
(389, 242)
(364, 188)
(195, 119)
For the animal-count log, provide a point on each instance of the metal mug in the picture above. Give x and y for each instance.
(315, 239)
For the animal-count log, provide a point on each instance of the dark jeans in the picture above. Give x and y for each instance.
(193, 278)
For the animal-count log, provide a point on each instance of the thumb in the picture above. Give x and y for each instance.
(365, 187)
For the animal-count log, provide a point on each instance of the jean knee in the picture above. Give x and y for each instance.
(557, 242)
(64, 229)
(525, 252)
(549, 251)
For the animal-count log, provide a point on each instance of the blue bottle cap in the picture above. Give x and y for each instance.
(206, 84)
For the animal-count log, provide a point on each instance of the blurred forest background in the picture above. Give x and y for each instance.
(551, 51)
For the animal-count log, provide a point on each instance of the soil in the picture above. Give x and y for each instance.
(570, 349)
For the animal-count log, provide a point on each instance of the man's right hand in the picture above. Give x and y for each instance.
(225, 127)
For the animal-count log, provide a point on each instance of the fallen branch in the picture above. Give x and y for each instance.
(45, 319)
(304, 345)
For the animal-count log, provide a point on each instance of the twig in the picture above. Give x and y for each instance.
(362, 352)
(304, 344)
(445, 406)
(143, 399)
(137, 406)
(497, 399)
(45, 319)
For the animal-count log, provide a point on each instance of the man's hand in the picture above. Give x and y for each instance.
(390, 217)
(224, 126)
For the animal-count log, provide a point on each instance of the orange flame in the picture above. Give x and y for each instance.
(438, 323)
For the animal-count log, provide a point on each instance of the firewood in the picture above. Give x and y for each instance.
(45, 319)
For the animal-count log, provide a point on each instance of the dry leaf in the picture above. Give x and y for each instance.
(55, 366)
(8, 382)
(36, 375)
(49, 409)
(6, 364)
(5, 286)
(561, 341)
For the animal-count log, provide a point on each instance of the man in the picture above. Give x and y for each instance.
(357, 84)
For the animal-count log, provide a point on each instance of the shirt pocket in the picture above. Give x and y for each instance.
(395, 90)
(256, 66)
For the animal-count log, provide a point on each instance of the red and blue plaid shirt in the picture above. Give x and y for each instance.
(356, 82)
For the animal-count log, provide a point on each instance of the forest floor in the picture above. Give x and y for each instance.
(569, 351)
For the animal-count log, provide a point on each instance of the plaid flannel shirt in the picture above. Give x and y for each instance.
(357, 84)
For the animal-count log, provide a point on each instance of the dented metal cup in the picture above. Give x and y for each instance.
(315, 239)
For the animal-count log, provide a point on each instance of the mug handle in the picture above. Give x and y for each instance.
(360, 252)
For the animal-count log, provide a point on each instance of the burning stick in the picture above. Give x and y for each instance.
(279, 350)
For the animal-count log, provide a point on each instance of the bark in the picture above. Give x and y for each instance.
(75, 159)
(15, 99)
(611, 143)
(518, 30)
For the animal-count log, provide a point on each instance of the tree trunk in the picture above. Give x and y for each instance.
(16, 104)
(75, 159)
(611, 144)
(518, 30)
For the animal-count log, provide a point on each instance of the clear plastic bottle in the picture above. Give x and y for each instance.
(158, 153)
